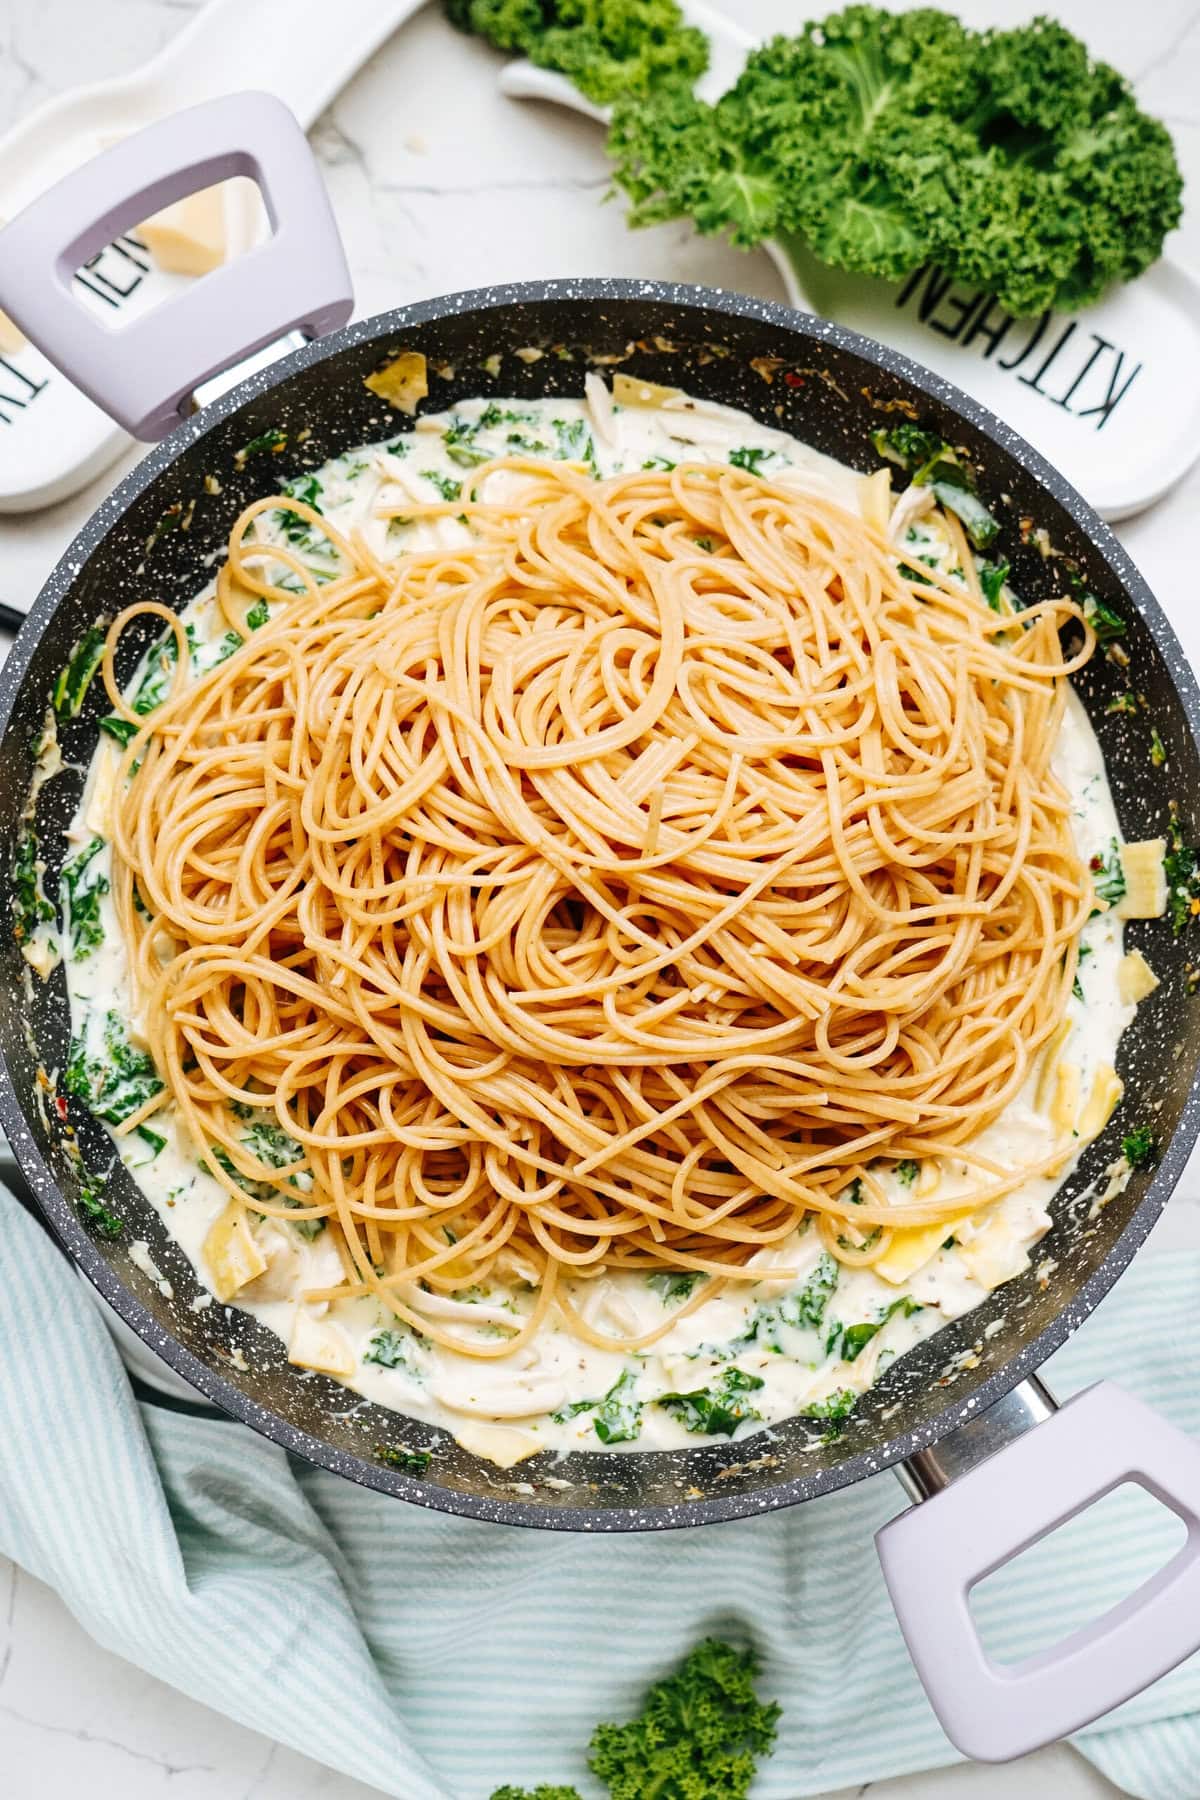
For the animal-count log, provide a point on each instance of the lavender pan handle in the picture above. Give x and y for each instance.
(143, 373)
(935, 1553)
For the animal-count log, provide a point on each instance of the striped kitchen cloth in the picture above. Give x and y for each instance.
(436, 1658)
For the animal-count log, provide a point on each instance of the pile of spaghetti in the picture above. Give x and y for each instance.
(616, 891)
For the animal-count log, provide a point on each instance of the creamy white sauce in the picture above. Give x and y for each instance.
(504, 1408)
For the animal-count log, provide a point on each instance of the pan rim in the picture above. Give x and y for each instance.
(503, 1509)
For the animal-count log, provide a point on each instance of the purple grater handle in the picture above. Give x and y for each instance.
(935, 1553)
(143, 373)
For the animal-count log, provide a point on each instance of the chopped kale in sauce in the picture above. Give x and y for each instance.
(1104, 620)
(1140, 1147)
(1181, 866)
(387, 1347)
(750, 458)
(94, 1213)
(1108, 876)
(618, 1415)
(116, 1083)
(717, 1410)
(673, 1286)
(397, 1456)
(75, 679)
(30, 906)
(82, 886)
(847, 1342)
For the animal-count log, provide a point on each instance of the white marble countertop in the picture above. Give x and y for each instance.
(439, 183)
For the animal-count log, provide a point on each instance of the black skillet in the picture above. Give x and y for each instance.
(954, 1415)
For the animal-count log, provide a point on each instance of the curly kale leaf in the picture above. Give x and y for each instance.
(673, 161)
(608, 48)
(537, 1793)
(1070, 183)
(698, 1736)
(789, 149)
(885, 142)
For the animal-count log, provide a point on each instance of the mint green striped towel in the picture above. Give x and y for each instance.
(437, 1658)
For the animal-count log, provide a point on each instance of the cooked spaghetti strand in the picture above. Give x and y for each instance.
(583, 898)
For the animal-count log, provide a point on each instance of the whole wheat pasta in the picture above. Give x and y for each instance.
(617, 891)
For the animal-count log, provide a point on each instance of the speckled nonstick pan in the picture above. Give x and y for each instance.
(955, 1413)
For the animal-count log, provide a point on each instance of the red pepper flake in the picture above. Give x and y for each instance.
(792, 379)
(60, 1105)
